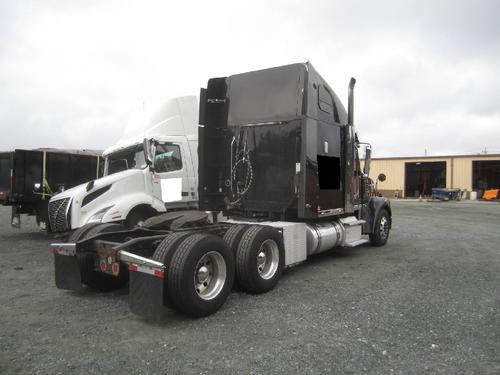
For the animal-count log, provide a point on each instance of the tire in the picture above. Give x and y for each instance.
(260, 259)
(200, 275)
(96, 279)
(233, 236)
(382, 227)
(137, 216)
(104, 228)
(164, 253)
(80, 233)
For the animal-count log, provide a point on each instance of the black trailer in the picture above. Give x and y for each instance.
(278, 155)
(5, 176)
(28, 178)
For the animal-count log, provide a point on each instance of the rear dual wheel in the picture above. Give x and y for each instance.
(164, 253)
(260, 259)
(199, 273)
(200, 268)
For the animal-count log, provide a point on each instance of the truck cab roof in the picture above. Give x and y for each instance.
(281, 94)
(173, 117)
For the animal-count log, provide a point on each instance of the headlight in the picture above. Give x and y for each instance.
(97, 217)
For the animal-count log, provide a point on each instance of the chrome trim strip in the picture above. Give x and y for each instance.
(333, 211)
(127, 257)
(68, 227)
(68, 249)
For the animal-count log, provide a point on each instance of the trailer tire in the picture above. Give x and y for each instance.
(164, 253)
(260, 259)
(200, 275)
(91, 277)
(381, 229)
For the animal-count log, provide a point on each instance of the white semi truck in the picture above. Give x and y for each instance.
(132, 190)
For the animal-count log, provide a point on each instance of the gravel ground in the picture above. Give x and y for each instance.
(427, 302)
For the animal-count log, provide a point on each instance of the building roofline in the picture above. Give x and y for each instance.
(437, 157)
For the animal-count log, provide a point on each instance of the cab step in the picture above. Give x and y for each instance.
(351, 221)
(359, 242)
(353, 231)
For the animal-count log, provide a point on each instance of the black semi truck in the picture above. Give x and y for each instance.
(278, 156)
(28, 178)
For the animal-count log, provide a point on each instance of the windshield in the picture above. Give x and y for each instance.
(130, 158)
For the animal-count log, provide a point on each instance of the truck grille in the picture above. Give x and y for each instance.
(57, 215)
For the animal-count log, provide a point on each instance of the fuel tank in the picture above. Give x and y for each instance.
(323, 236)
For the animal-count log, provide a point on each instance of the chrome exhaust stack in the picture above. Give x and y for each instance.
(350, 102)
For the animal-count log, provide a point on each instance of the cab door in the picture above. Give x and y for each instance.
(170, 174)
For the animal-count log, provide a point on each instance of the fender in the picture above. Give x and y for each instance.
(371, 211)
(126, 203)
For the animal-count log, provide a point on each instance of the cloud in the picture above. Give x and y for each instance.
(71, 72)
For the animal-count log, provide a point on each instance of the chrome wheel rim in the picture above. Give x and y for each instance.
(210, 275)
(268, 259)
(384, 227)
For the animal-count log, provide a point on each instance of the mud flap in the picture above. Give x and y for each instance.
(146, 295)
(68, 274)
(15, 218)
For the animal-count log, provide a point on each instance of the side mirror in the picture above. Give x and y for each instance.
(146, 145)
(36, 187)
(381, 177)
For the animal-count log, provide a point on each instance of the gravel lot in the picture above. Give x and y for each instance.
(427, 302)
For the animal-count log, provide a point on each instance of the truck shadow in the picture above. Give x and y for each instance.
(332, 255)
(237, 301)
(23, 236)
(165, 317)
(327, 259)
(94, 294)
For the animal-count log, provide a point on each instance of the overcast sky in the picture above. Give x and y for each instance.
(428, 72)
